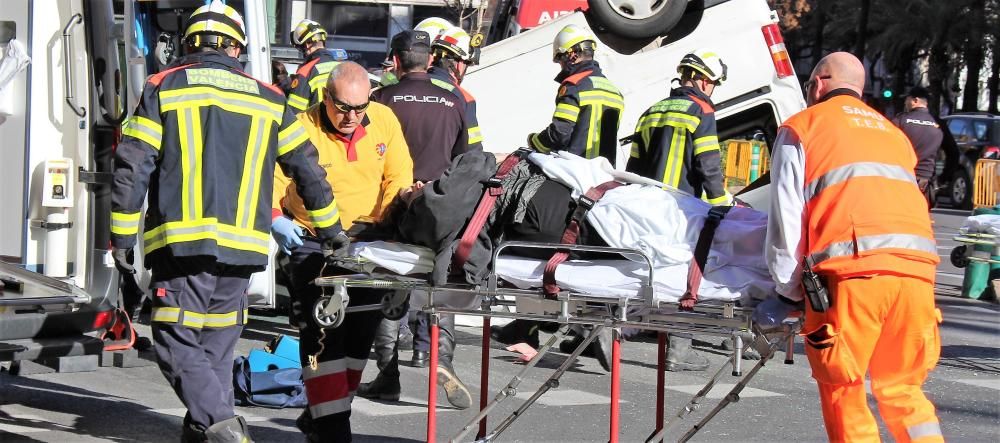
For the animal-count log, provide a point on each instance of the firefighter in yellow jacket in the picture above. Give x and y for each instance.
(200, 141)
(306, 85)
(363, 142)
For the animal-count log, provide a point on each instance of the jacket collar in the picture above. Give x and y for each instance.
(589, 65)
(839, 92)
(694, 92)
(210, 57)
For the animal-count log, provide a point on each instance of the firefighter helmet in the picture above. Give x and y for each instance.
(218, 21)
(705, 62)
(455, 42)
(307, 31)
(433, 26)
(570, 36)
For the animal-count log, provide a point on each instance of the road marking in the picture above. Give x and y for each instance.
(567, 397)
(721, 389)
(405, 405)
(974, 309)
(20, 429)
(982, 383)
(948, 274)
(181, 412)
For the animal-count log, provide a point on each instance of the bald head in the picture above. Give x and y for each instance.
(835, 71)
(347, 75)
(347, 94)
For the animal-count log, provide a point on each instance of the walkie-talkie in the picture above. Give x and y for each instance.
(815, 286)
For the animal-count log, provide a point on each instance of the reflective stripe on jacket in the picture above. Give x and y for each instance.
(204, 140)
(675, 142)
(307, 84)
(864, 212)
(587, 114)
(442, 79)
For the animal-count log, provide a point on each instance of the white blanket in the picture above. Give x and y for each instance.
(981, 224)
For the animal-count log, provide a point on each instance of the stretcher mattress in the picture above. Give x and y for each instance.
(981, 224)
(612, 278)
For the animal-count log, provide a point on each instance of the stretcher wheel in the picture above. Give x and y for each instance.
(958, 257)
(324, 320)
(393, 308)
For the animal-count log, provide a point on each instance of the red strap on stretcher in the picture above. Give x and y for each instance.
(572, 232)
(492, 192)
(701, 249)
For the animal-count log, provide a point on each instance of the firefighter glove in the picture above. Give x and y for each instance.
(123, 260)
(287, 233)
(774, 310)
(337, 246)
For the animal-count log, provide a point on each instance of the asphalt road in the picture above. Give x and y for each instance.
(135, 404)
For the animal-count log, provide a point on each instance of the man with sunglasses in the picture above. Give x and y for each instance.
(588, 105)
(675, 142)
(362, 148)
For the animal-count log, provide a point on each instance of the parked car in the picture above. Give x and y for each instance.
(976, 135)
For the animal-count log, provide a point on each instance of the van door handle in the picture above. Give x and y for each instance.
(68, 78)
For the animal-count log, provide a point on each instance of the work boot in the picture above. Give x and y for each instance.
(385, 342)
(517, 331)
(569, 345)
(600, 348)
(681, 356)
(191, 434)
(233, 430)
(456, 391)
(306, 426)
(420, 359)
(384, 387)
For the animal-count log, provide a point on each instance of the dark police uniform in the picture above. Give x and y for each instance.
(441, 78)
(925, 135)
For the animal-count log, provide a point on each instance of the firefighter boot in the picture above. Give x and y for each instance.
(385, 342)
(456, 391)
(233, 430)
(681, 356)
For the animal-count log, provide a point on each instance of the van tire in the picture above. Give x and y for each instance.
(617, 19)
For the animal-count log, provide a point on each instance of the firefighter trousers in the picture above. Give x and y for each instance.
(332, 359)
(199, 309)
(886, 326)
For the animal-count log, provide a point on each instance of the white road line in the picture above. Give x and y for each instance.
(982, 383)
(180, 412)
(721, 389)
(406, 405)
(23, 418)
(568, 397)
(948, 274)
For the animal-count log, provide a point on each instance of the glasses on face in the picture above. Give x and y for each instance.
(344, 107)
(811, 82)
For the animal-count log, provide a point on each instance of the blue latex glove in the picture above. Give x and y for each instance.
(287, 233)
(772, 312)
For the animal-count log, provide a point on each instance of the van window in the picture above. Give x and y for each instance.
(959, 128)
(981, 130)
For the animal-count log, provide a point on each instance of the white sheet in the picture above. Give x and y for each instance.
(612, 278)
(981, 224)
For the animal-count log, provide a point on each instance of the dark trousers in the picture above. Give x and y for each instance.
(422, 335)
(199, 309)
(332, 359)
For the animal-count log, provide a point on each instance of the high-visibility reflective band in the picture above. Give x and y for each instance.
(291, 137)
(855, 170)
(928, 429)
(722, 199)
(212, 26)
(189, 129)
(297, 102)
(566, 111)
(604, 84)
(536, 143)
(188, 319)
(705, 144)
(166, 315)
(874, 242)
(144, 129)
(675, 159)
(326, 67)
(443, 84)
(125, 224)
(223, 320)
(246, 316)
(196, 96)
(253, 163)
(318, 82)
(205, 229)
(330, 407)
(325, 217)
(602, 97)
(324, 368)
(475, 135)
(674, 119)
(593, 134)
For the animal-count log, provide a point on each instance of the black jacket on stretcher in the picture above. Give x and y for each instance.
(676, 143)
(203, 140)
(588, 111)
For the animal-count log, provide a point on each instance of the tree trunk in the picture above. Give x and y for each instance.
(820, 24)
(937, 74)
(994, 83)
(973, 53)
(862, 31)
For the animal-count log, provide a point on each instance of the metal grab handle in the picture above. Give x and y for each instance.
(68, 78)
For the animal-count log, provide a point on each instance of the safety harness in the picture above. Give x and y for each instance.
(701, 249)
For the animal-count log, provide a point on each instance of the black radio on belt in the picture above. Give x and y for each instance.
(815, 286)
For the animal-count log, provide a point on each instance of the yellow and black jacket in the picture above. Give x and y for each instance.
(675, 142)
(307, 84)
(588, 111)
(442, 79)
(203, 141)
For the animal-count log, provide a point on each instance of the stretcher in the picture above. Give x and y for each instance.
(632, 298)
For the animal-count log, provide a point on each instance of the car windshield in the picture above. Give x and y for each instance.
(981, 130)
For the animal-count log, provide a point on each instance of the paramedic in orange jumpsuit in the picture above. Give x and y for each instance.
(844, 194)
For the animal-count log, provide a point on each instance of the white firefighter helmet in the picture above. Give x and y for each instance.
(454, 41)
(706, 62)
(433, 26)
(570, 36)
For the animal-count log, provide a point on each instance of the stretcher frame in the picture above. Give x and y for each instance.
(714, 318)
(969, 242)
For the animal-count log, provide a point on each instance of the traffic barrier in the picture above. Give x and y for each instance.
(986, 183)
(746, 161)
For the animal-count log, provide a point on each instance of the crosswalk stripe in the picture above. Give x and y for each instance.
(720, 390)
(181, 412)
(405, 405)
(982, 383)
(567, 397)
(27, 418)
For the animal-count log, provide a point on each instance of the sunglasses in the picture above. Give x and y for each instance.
(809, 83)
(346, 108)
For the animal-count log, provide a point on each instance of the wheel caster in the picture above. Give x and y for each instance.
(329, 311)
(395, 305)
(958, 256)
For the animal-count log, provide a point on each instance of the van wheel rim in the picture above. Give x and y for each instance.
(959, 190)
(637, 9)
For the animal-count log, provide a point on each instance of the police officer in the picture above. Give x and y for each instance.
(435, 129)
(925, 135)
(202, 140)
(306, 85)
(588, 105)
(675, 142)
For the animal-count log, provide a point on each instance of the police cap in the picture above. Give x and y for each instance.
(411, 41)
(918, 92)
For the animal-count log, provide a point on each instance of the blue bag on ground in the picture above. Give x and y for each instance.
(276, 388)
